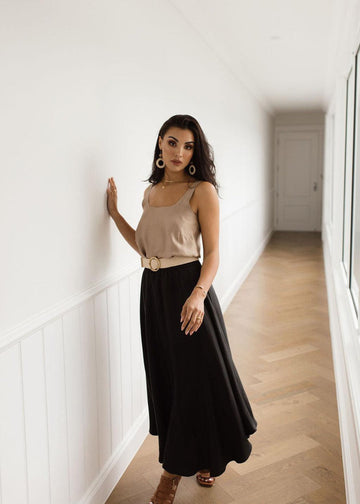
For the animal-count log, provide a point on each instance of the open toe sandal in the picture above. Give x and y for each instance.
(166, 490)
(207, 481)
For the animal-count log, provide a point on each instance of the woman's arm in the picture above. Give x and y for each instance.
(125, 229)
(208, 214)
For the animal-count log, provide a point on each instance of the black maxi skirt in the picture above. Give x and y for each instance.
(197, 404)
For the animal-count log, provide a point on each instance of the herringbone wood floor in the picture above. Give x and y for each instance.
(279, 336)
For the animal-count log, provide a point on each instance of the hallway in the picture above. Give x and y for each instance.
(279, 336)
(85, 91)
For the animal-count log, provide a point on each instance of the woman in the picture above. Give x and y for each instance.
(197, 404)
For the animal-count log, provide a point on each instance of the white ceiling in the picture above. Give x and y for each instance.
(282, 50)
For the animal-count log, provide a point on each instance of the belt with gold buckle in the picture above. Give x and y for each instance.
(155, 263)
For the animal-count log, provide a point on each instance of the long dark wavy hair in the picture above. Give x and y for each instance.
(203, 154)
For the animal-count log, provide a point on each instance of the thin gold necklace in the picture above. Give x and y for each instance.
(172, 181)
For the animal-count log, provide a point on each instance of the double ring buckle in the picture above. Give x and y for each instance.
(157, 262)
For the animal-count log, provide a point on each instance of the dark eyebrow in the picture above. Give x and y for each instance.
(178, 140)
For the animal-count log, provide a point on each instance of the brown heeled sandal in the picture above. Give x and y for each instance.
(207, 481)
(166, 489)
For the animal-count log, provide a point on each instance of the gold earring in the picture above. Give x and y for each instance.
(192, 169)
(160, 162)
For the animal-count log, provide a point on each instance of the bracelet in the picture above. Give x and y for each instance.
(201, 287)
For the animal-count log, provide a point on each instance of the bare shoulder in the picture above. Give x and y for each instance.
(204, 197)
(147, 188)
(145, 194)
(206, 191)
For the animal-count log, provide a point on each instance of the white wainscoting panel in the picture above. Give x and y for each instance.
(125, 348)
(115, 369)
(35, 415)
(90, 394)
(103, 374)
(73, 400)
(14, 478)
(57, 413)
(74, 386)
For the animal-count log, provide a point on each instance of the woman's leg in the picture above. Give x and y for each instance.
(169, 475)
(166, 489)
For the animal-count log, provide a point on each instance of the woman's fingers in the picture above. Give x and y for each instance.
(198, 322)
(111, 186)
(112, 183)
(112, 195)
(184, 317)
(195, 324)
(192, 322)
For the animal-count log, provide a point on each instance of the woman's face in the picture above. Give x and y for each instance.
(177, 148)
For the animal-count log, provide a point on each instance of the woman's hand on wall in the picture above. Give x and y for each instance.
(125, 229)
(111, 197)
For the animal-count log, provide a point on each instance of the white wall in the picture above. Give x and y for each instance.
(85, 88)
(344, 324)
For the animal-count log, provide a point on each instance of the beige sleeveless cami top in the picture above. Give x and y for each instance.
(171, 230)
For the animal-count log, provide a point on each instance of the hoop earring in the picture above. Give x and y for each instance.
(160, 163)
(192, 169)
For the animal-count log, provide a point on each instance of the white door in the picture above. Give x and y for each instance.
(298, 182)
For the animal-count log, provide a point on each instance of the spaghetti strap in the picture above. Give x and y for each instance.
(145, 201)
(185, 200)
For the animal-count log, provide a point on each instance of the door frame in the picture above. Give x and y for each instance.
(311, 128)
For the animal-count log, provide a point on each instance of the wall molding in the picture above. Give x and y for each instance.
(39, 320)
